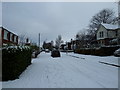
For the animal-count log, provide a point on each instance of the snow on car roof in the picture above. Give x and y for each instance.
(111, 26)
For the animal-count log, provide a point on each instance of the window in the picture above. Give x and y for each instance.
(116, 33)
(101, 34)
(15, 38)
(6, 35)
(11, 36)
(107, 34)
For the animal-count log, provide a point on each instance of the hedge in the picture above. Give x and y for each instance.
(102, 51)
(66, 50)
(15, 59)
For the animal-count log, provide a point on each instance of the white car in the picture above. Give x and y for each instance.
(47, 50)
(117, 52)
(33, 55)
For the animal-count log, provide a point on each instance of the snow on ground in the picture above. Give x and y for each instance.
(68, 71)
(107, 59)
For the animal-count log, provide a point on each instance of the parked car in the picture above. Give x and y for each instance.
(55, 53)
(35, 53)
(47, 50)
(117, 52)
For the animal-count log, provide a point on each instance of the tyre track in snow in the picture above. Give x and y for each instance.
(75, 69)
(94, 70)
(72, 64)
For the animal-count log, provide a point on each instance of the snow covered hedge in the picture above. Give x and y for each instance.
(103, 51)
(15, 59)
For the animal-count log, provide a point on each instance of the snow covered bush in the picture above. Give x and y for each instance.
(15, 59)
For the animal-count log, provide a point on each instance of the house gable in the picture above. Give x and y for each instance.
(102, 33)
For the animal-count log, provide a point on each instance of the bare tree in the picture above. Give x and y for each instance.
(59, 41)
(22, 39)
(116, 20)
(119, 12)
(81, 39)
(80, 35)
(104, 16)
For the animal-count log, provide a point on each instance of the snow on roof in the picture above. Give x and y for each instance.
(9, 31)
(111, 26)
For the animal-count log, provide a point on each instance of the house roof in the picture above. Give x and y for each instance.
(111, 26)
(9, 31)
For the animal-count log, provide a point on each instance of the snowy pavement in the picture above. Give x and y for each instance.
(69, 71)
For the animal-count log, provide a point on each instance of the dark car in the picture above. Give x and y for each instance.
(117, 52)
(55, 53)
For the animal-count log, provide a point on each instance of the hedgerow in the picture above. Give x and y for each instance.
(15, 59)
(102, 51)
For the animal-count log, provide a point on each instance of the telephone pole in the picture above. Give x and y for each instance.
(39, 41)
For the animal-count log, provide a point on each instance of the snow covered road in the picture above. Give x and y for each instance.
(69, 71)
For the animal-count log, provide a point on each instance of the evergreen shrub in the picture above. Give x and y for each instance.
(102, 51)
(15, 59)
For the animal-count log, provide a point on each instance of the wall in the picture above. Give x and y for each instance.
(111, 34)
(119, 33)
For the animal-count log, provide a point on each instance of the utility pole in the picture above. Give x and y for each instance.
(118, 5)
(39, 41)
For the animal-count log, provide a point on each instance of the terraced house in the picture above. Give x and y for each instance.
(8, 37)
(108, 34)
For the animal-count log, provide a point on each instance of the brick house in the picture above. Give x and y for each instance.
(107, 33)
(8, 37)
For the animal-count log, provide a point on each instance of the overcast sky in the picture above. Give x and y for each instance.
(49, 18)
